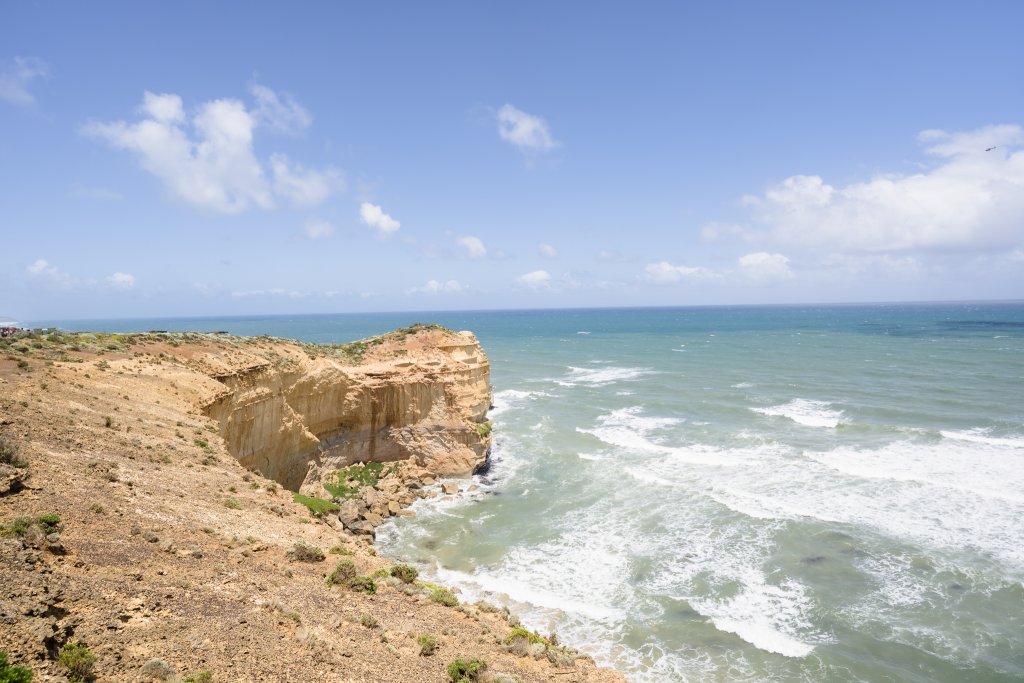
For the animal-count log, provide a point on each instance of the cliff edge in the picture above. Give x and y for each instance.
(145, 533)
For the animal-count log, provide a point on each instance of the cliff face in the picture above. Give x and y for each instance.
(295, 415)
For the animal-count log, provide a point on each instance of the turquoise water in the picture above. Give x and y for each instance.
(742, 493)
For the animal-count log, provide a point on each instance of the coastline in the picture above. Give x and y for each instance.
(168, 557)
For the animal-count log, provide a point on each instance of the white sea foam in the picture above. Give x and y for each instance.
(979, 435)
(513, 398)
(598, 377)
(742, 385)
(806, 412)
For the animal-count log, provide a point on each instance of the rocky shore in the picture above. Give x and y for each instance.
(184, 507)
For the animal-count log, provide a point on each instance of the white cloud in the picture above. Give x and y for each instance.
(374, 216)
(16, 78)
(122, 280)
(437, 287)
(473, 245)
(208, 160)
(535, 279)
(665, 273)
(39, 266)
(269, 292)
(43, 270)
(304, 187)
(525, 131)
(547, 251)
(279, 112)
(318, 229)
(765, 267)
(972, 199)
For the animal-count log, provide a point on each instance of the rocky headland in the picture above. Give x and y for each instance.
(202, 507)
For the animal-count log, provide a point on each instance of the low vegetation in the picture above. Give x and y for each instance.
(304, 552)
(9, 454)
(13, 674)
(318, 507)
(347, 482)
(78, 662)
(343, 572)
(441, 595)
(427, 643)
(466, 671)
(404, 573)
(363, 584)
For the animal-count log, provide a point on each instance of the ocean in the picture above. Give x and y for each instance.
(774, 493)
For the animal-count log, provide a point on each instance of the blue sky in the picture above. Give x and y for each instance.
(237, 158)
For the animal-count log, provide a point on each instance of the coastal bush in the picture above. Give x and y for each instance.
(441, 595)
(463, 671)
(304, 552)
(9, 454)
(232, 503)
(369, 621)
(427, 643)
(318, 507)
(404, 573)
(348, 481)
(343, 572)
(363, 584)
(484, 429)
(522, 633)
(203, 677)
(158, 670)
(78, 661)
(13, 674)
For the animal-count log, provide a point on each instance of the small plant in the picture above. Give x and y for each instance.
(341, 550)
(343, 572)
(50, 522)
(202, 443)
(369, 621)
(363, 584)
(108, 422)
(22, 364)
(442, 595)
(404, 573)
(158, 669)
(16, 527)
(232, 503)
(427, 643)
(359, 476)
(483, 429)
(204, 677)
(9, 455)
(304, 552)
(463, 671)
(13, 674)
(318, 507)
(520, 633)
(79, 662)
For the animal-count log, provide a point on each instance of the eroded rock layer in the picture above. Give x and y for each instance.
(297, 415)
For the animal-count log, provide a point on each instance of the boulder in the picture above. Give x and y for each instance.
(373, 518)
(394, 507)
(450, 489)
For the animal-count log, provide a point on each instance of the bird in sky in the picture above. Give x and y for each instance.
(991, 148)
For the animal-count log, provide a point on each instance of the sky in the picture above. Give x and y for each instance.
(238, 158)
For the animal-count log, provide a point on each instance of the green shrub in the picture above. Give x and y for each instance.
(304, 552)
(363, 584)
(360, 475)
(13, 674)
(483, 429)
(369, 621)
(232, 503)
(442, 595)
(16, 527)
(343, 572)
(318, 507)
(50, 522)
(204, 677)
(462, 671)
(79, 662)
(529, 636)
(404, 573)
(9, 454)
(427, 643)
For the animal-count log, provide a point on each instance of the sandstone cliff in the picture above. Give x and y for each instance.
(128, 526)
(298, 413)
